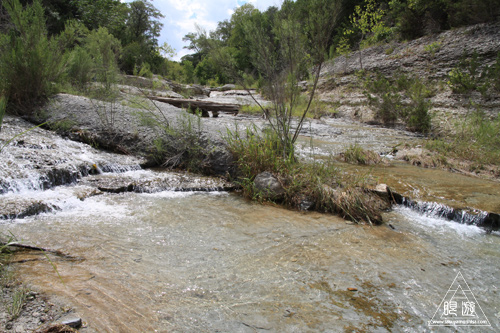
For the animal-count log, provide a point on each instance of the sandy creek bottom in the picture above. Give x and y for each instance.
(207, 262)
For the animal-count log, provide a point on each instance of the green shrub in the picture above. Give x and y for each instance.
(104, 50)
(433, 48)
(469, 75)
(320, 183)
(30, 61)
(475, 138)
(355, 154)
(81, 67)
(181, 145)
(387, 101)
(387, 97)
(145, 71)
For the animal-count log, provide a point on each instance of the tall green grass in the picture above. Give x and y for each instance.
(321, 183)
(475, 138)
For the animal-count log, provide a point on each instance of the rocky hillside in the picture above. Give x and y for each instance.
(431, 58)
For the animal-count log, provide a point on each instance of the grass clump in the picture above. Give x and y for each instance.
(475, 139)
(321, 186)
(181, 144)
(7, 279)
(355, 154)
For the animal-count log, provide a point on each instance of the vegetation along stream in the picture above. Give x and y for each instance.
(178, 253)
(321, 166)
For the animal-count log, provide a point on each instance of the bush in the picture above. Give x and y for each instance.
(181, 145)
(355, 154)
(30, 61)
(81, 67)
(104, 50)
(405, 98)
(468, 76)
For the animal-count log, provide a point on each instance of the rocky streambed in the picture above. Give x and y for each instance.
(174, 251)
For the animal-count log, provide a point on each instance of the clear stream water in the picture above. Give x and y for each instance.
(214, 262)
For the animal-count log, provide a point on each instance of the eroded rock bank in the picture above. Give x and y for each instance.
(429, 58)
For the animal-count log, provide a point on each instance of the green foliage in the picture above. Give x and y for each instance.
(18, 300)
(256, 152)
(323, 184)
(355, 154)
(145, 71)
(368, 20)
(109, 14)
(475, 138)
(471, 75)
(433, 48)
(104, 50)
(30, 61)
(415, 18)
(188, 71)
(81, 67)
(205, 70)
(387, 97)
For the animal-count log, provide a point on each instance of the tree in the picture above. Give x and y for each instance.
(30, 61)
(110, 14)
(367, 20)
(141, 37)
(282, 55)
(143, 23)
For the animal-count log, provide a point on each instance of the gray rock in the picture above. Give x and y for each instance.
(340, 84)
(72, 321)
(383, 191)
(197, 90)
(227, 87)
(267, 184)
(303, 85)
(306, 203)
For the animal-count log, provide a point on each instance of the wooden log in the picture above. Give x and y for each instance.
(204, 106)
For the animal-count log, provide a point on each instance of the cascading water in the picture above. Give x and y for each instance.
(156, 259)
(489, 221)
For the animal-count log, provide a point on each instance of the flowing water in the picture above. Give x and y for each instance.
(172, 261)
(201, 261)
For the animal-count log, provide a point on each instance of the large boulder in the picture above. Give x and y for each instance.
(269, 186)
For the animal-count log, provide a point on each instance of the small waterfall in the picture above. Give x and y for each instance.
(486, 220)
(33, 180)
(117, 168)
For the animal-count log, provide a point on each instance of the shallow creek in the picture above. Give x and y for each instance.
(212, 261)
(174, 261)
